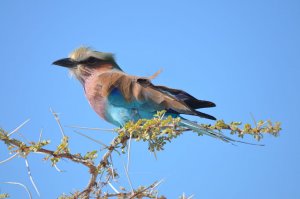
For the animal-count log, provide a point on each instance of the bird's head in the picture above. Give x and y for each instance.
(83, 61)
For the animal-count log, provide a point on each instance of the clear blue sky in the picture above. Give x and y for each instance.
(243, 55)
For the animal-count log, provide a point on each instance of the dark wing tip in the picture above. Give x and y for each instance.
(195, 103)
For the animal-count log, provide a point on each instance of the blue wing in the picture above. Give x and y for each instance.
(119, 111)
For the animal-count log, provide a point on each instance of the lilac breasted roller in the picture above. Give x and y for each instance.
(118, 97)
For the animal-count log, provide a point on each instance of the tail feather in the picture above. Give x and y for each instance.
(196, 104)
(199, 129)
(204, 115)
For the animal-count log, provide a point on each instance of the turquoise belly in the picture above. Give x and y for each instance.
(118, 111)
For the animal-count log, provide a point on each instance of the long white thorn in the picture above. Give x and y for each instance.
(18, 128)
(128, 154)
(88, 137)
(30, 177)
(38, 152)
(10, 158)
(41, 133)
(112, 167)
(22, 136)
(20, 184)
(55, 166)
(113, 188)
(190, 197)
(58, 122)
(58, 169)
(158, 183)
(92, 129)
(128, 178)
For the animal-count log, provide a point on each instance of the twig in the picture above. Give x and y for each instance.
(115, 142)
(156, 132)
(143, 190)
(103, 164)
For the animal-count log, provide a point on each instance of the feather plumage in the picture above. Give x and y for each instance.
(118, 97)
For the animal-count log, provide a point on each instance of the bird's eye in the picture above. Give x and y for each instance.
(91, 60)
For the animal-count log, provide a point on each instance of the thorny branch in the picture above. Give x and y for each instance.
(63, 152)
(157, 132)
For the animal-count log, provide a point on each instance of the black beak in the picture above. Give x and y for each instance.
(66, 62)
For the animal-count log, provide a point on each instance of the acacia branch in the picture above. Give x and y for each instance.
(156, 132)
(94, 169)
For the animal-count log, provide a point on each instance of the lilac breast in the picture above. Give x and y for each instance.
(93, 93)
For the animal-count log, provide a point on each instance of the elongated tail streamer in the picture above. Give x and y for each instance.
(199, 129)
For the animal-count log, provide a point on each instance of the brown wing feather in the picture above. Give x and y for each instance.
(132, 89)
(190, 100)
(182, 96)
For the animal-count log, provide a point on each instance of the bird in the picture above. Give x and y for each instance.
(118, 97)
